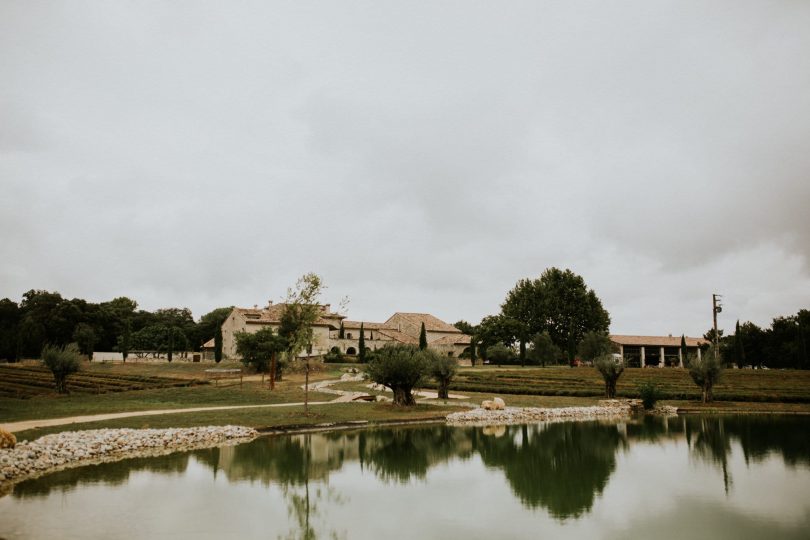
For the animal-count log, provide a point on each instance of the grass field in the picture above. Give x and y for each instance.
(735, 385)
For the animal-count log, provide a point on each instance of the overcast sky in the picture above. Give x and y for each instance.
(420, 156)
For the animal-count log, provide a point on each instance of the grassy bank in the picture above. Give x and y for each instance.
(263, 418)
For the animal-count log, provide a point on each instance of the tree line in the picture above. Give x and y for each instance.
(783, 345)
(47, 318)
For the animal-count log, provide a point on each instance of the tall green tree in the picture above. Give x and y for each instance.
(593, 345)
(341, 331)
(258, 349)
(361, 345)
(739, 348)
(423, 338)
(560, 303)
(301, 311)
(218, 344)
(544, 351)
(125, 342)
(684, 350)
(85, 337)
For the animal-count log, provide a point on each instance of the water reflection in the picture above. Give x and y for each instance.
(561, 468)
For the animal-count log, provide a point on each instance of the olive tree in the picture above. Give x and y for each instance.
(544, 351)
(442, 369)
(593, 345)
(62, 361)
(705, 371)
(400, 368)
(611, 369)
(499, 354)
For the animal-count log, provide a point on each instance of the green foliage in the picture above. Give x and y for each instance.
(544, 351)
(125, 340)
(442, 369)
(705, 372)
(218, 344)
(361, 346)
(684, 350)
(465, 327)
(423, 338)
(500, 354)
(400, 368)
(593, 345)
(334, 356)
(85, 337)
(610, 369)
(558, 302)
(62, 361)
(650, 394)
(341, 331)
(301, 310)
(257, 349)
(739, 349)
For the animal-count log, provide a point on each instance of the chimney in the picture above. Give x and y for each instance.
(269, 304)
(327, 308)
(255, 306)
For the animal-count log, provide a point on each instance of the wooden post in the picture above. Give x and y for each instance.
(273, 371)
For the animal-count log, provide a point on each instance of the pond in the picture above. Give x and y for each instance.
(681, 477)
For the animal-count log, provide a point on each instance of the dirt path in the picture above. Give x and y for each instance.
(49, 422)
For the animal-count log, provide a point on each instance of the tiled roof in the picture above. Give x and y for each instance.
(657, 341)
(272, 315)
(462, 339)
(355, 325)
(432, 324)
(208, 344)
(401, 337)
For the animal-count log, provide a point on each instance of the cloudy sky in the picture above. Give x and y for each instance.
(420, 156)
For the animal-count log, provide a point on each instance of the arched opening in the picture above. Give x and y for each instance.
(351, 351)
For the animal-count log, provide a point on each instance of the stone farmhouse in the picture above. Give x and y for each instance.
(403, 328)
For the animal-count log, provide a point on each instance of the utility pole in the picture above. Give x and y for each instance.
(717, 307)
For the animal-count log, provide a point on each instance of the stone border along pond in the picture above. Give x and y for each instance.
(79, 448)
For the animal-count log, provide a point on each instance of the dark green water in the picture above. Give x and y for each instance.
(686, 477)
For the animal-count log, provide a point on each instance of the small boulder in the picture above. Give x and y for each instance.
(7, 439)
(499, 404)
(488, 405)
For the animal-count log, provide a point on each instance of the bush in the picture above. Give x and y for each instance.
(650, 394)
(400, 368)
(334, 356)
(7, 439)
(62, 361)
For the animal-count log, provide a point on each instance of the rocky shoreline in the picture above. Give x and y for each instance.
(78, 448)
(607, 409)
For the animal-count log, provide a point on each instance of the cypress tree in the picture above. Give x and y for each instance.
(472, 352)
(684, 356)
(361, 346)
(341, 332)
(126, 339)
(739, 350)
(422, 338)
(218, 345)
(171, 343)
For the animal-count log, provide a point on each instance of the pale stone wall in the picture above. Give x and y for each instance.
(237, 323)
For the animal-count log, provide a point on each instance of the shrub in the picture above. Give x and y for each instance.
(400, 368)
(650, 394)
(7, 439)
(705, 372)
(611, 370)
(62, 361)
(334, 356)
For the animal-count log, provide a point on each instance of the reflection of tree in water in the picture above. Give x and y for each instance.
(110, 474)
(561, 467)
(401, 455)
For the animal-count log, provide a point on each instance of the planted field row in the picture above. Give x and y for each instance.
(28, 381)
(737, 385)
